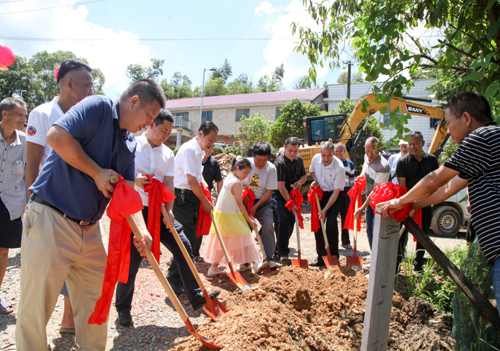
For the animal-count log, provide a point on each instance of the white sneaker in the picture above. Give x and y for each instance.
(244, 266)
(214, 272)
(274, 264)
(259, 266)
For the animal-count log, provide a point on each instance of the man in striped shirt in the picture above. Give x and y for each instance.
(477, 165)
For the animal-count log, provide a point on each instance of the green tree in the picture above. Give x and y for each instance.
(383, 38)
(291, 121)
(345, 106)
(215, 87)
(153, 72)
(355, 78)
(178, 87)
(17, 81)
(225, 71)
(253, 129)
(241, 85)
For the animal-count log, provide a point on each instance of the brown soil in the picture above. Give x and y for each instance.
(297, 309)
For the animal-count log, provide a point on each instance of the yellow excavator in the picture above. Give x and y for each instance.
(340, 128)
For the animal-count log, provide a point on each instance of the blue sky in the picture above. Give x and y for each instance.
(198, 28)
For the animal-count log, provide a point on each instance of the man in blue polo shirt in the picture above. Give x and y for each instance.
(61, 236)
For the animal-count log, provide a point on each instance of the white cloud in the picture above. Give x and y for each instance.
(265, 8)
(280, 48)
(112, 55)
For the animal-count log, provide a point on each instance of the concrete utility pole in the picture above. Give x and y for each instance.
(349, 64)
(202, 92)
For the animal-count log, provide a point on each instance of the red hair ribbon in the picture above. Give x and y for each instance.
(125, 201)
(158, 194)
(388, 191)
(204, 220)
(311, 198)
(296, 199)
(249, 194)
(355, 194)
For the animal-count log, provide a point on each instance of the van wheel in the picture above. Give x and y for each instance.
(446, 221)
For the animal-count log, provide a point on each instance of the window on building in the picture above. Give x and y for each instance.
(278, 112)
(388, 121)
(240, 112)
(206, 116)
(181, 119)
(433, 122)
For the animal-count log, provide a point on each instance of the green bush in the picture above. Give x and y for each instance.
(176, 149)
(217, 150)
(233, 150)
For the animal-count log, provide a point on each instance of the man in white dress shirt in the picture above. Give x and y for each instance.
(328, 173)
(188, 192)
(393, 160)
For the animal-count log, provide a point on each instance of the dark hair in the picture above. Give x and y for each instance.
(10, 103)
(261, 149)
(417, 134)
(375, 141)
(473, 103)
(164, 115)
(293, 141)
(241, 163)
(71, 65)
(207, 127)
(147, 90)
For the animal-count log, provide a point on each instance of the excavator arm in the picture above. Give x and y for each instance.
(358, 116)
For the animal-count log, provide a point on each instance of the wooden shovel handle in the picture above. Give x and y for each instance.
(322, 222)
(219, 236)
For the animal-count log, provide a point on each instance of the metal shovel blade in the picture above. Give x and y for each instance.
(214, 307)
(202, 339)
(237, 279)
(300, 262)
(329, 259)
(355, 261)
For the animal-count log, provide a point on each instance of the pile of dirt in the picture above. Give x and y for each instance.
(297, 309)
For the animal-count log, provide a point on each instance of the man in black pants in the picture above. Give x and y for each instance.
(153, 156)
(291, 174)
(188, 192)
(410, 170)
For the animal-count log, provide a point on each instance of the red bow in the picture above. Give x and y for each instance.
(204, 220)
(355, 194)
(296, 199)
(126, 201)
(249, 194)
(311, 198)
(157, 194)
(388, 191)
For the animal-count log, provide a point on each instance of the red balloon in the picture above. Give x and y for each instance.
(7, 57)
(56, 72)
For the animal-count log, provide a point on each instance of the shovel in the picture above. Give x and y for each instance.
(265, 261)
(354, 260)
(154, 264)
(213, 308)
(235, 277)
(328, 259)
(298, 261)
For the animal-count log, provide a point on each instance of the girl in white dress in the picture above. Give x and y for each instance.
(234, 223)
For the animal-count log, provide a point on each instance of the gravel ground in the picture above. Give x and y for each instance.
(157, 326)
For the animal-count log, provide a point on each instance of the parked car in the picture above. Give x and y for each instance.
(222, 145)
(450, 215)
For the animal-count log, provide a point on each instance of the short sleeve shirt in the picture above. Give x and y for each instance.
(393, 163)
(159, 160)
(478, 161)
(376, 172)
(39, 122)
(413, 170)
(261, 180)
(94, 123)
(350, 173)
(211, 172)
(12, 181)
(188, 160)
(329, 177)
(289, 171)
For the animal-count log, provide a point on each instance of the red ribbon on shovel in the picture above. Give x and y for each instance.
(355, 194)
(249, 194)
(315, 225)
(296, 199)
(157, 194)
(125, 201)
(204, 220)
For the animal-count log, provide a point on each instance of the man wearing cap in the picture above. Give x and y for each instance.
(188, 193)
(393, 160)
(62, 238)
(75, 83)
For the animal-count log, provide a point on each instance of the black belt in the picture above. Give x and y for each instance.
(39, 200)
(186, 191)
